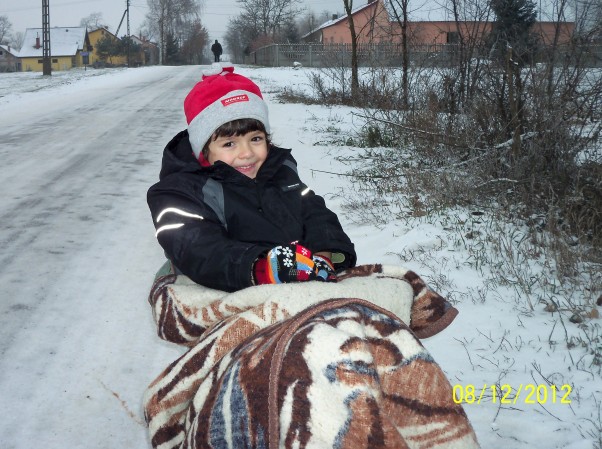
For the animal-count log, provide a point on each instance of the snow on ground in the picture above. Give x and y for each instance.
(77, 342)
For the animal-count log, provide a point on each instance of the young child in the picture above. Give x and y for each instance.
(230, 210)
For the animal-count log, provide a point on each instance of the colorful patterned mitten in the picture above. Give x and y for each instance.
(286, 263)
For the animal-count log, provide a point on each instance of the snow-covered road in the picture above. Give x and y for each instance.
(77, 251)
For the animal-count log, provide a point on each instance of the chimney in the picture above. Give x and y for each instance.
(37, 42)
(335, 17)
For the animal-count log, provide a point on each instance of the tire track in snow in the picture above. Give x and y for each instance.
(65, 192)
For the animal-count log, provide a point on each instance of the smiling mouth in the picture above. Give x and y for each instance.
(245, 167)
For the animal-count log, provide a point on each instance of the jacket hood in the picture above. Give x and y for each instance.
(178, 157)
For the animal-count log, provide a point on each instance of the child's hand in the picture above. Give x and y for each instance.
(289, 263)
(285, 263)
(324, 268)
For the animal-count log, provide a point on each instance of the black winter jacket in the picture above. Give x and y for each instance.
(214, 222)
(216, 48)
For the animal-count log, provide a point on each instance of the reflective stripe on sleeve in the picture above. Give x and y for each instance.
(174, 210)
(168, 227)
(177, 211)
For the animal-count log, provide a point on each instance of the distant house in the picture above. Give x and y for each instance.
(98, 35)
(147, 54)
(150, 50)
(66, 47)
(379, 21)
(9, 59)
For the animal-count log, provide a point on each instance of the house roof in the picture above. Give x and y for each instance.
(91, 30)
(11, 51)
(337, 20)
(136, 39)
(64, 41)
(105, 30)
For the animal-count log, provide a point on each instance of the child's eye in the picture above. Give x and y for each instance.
(228, 144)
(257, 139)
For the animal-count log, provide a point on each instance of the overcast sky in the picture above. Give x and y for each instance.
(216, 13)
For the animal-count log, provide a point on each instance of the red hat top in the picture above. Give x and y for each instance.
(221, 97)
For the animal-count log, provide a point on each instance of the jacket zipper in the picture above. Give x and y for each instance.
(259, 208)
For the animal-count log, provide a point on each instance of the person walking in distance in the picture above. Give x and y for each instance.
(216, 48)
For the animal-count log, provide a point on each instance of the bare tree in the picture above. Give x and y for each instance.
(400, 11)
(312, 20)
(18, 39)
(471, 18)
(195, 42)
(169, 17)
(148, 31)
(269, 17)
(307, 23)
(597, 22)
(355, 83)
(262, 22)
(5, 27)
(93, 21)
(560, 10)
(242, 37)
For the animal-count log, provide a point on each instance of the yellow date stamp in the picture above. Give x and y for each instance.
(507, 394)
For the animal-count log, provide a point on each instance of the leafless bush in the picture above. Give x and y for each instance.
(445, 149)
(467, 143)
(551, 164)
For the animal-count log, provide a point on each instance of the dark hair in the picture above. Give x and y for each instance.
(238, 127)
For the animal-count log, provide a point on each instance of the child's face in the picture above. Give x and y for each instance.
(245, 153)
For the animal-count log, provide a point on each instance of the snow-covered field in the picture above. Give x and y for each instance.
(77, 342)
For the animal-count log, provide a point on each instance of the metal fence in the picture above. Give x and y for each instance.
(382, 54)
(328, 55)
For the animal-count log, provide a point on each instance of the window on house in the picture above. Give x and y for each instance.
(1, 52)
(453, 37)
(54, 61)
(40, 61)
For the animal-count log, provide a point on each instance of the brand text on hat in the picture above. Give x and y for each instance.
(235, 99)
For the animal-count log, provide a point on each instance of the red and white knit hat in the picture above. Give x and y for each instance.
(220, 97)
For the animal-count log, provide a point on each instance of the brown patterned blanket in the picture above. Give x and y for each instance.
(309, 365)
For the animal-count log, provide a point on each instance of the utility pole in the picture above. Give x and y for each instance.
(46, 65)
(127, 8)
(126, 13)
